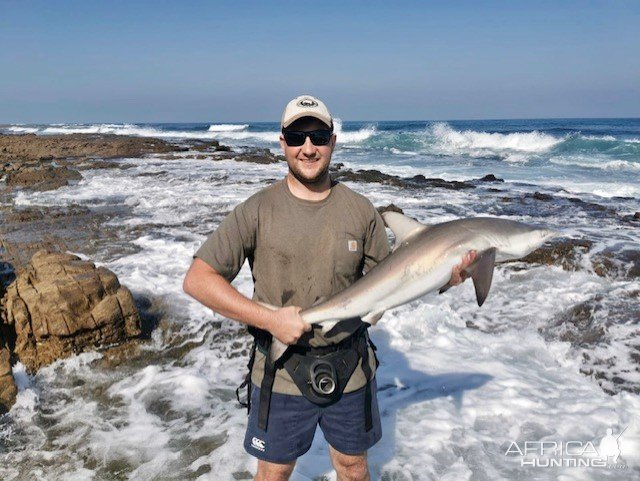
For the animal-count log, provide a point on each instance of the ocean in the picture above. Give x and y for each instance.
(553, 355)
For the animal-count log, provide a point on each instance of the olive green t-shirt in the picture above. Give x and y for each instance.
(300, 252)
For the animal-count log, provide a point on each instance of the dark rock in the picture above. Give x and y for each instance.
(421, 180)
(490, 178)
(636, 216)
(372, 175)
(223, 148)
(564, 252)
(213, 145)
(417, 181)
(540, 196)
(255, 155)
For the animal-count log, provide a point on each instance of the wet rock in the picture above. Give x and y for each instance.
(41, 147)
(61, 305)
(259, 156)
(540, 196)
(390, 208)
(490, 178)
(212, 145)
(370, 175)
(417, 181)
(568, 254)
(421, 180)
(42, 178)
(565, 253)
(8, 391)
(636, 216)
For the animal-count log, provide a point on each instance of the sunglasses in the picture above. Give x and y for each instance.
(296, 139)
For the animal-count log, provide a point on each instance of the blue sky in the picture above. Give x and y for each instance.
(191, 61)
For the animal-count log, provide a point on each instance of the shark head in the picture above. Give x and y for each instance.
(522, 243)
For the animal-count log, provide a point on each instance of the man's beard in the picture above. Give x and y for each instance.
(315, 180)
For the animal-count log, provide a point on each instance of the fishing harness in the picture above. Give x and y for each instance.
(321, 373)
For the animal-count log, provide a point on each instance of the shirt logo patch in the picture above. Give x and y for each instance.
(353, 246)
(259, 444)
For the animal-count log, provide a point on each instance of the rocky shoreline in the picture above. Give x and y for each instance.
(54, 304)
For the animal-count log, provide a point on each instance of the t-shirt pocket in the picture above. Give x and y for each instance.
(348, 256)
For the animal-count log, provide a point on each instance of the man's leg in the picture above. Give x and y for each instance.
(290, 429)
(274, 472)
(344, 427)
(350, 467)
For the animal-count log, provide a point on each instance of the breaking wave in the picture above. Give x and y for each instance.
(448, 141)
(227, 127)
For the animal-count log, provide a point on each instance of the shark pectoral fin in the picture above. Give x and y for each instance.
(276, 350)
(373, 317)
(327, 326)
(481, 272)
(445, 288)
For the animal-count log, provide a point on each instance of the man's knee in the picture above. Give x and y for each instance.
(350, 468)
(274, 472)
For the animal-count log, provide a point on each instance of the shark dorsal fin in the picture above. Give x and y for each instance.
(403, 227)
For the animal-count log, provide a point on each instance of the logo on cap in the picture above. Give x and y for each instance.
(307, 103)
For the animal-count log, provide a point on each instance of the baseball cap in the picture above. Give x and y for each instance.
(305, 106)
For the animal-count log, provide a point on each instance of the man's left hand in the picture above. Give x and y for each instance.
(458, 275)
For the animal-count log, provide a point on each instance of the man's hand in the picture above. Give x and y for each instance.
(287, 326)
(458, 275)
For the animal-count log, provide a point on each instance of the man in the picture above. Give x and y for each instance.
(306, 238)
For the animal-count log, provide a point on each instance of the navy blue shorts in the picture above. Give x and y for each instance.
(293, 420)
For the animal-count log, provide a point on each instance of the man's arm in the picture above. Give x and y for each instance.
(207, 286)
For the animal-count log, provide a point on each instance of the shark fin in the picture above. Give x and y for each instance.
(481, 271)
(373, 317)
(403, 227)
(276, 350)
(328, 325)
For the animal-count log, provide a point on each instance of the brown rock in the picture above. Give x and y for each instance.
(42, 178)
(61, 305)
(213, 145)
(636, 216)
(565, 252)
(390, 208)
(49, 147)
(8, 390)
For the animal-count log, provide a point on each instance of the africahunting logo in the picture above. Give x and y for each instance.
(571, 454)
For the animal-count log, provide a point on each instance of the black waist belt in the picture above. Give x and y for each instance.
(321, 373)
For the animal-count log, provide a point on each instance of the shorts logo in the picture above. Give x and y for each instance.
(307, 103)
(353, 246)
(259, 444)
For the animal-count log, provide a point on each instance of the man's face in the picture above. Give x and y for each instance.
(308, 163)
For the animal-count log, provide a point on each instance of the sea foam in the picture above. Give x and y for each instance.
(449, 141)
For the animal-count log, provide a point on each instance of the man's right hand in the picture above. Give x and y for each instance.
(287, 325)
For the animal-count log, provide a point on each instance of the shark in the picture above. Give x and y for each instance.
(421, 262)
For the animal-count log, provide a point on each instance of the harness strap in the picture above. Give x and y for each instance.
(266, 388)
(247, 379)
(368, 374)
